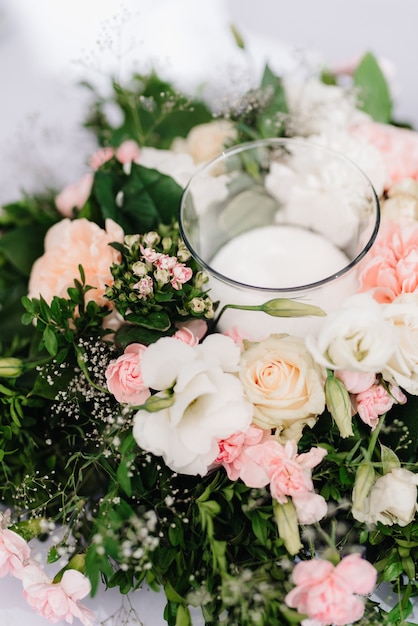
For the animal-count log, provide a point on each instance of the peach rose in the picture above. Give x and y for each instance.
(74, 196)
(284, 383)
(398, 146)
(68, 244)
(205, 141)
(123, 376)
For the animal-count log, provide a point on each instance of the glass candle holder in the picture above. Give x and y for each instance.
(279, 218)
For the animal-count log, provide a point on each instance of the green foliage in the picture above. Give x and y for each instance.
(374, 94)
(154, 113)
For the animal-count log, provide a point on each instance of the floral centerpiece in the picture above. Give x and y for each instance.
(270, 481)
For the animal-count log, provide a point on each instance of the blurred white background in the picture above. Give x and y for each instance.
(47, 45)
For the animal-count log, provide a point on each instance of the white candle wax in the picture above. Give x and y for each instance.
(278, 257)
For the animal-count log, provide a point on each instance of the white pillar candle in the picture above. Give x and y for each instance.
(278, 257)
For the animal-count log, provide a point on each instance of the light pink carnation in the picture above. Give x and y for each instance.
(124, 379)
(326, 593)
(289, 472)
(398, 146)
(14, 552)
(57, 601)
(391, 268)
(375, 401)
(100, 157)
(128, 151)
(74, 196)
(71, 243)
(237, 463)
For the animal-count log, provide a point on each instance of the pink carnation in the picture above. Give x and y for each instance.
(288, 471)
(398, 147)
(375, 401)
(128, 151)
(237, 463)
(391, 267)
(101, 156)
(124, 379)
(74, 196)
(57, 601)
(327, 593)
(71, 243)
(14, 552)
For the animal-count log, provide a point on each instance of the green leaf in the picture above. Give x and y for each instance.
(270, 123)
(23, 245)
(153, 321)
(50, 341)
(237, 36)
(123, 474)
(374, 93)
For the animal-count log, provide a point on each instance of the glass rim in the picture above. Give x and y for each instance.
(242, 147)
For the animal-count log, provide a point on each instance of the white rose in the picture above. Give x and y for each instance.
(206, 141)
(284, 383)
(392, 500)
(209, 402)
(356, 338)
(402, 366)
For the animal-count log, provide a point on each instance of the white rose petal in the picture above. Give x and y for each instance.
(392, 500)
(402, 367)
(356, 338)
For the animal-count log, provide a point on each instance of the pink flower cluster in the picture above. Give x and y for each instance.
(75, 195)
(370, 399)
(328, 593)
(391, 267)
(259, 460)
(178, 273)
(54, 601)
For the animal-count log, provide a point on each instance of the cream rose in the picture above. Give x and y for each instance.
(402, 366)
(71, 243)
(392, 499)
(205, 141)
(209, 402)
(357, 337)
(284, 383)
